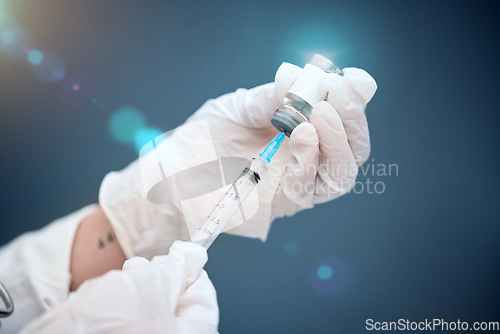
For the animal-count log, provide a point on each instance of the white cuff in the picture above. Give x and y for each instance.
(35, 268)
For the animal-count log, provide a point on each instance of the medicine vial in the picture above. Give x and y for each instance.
(303, 94)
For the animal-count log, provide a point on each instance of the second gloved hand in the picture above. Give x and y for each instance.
(170, 294)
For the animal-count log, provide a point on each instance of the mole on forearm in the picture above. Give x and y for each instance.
(88, 261)
(111, 238)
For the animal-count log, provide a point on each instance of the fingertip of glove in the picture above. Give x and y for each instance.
(324, 116)
(134, 263)
(363, 156)
(322, 109)
(287, 71)
(304, 133)
(284, 78)
(188, 247)
(193, 253)
(362, 82)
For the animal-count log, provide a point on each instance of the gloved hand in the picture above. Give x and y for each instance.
(317, 163)
(170, 294)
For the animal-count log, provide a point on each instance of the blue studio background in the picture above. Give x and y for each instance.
(426, 247)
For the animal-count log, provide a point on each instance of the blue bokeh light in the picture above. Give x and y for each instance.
(35, 57)
(15, 42)
(143, 136)
(329, 276)
(125, 123)
(51, 69)
(57, 74)
(324, 272)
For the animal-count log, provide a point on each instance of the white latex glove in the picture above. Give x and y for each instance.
(317, 163)
(170, 294)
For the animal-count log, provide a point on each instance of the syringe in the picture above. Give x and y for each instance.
(302, 95)
(234, 197)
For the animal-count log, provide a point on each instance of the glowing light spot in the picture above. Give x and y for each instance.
(329, 276)
(65, 88)
(125, 123)
(318, 36)
(144, 136)
(35, 57)
(52, 69)
(76, 87)
(291, 247)
(8, 37)
(324, 272)
(94, 100)
(57, 74)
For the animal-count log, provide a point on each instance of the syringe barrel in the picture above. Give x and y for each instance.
(230, 202)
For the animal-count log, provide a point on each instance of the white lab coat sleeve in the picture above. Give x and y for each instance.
(35, 269)
(170, 294)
